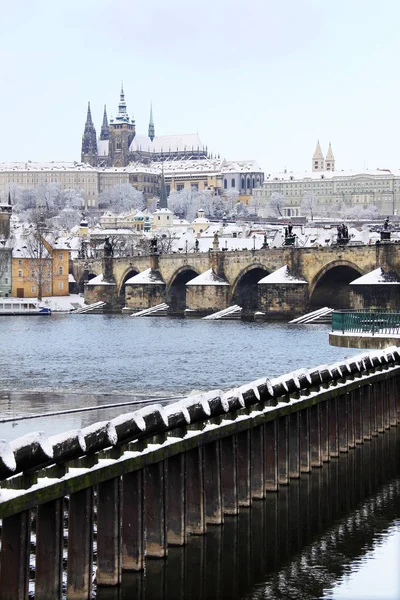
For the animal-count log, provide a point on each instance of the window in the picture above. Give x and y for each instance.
(19, 273)
(225, 184)
(33, 289)
(248, 183)
(180, 187)
(6, 280)
(48, 289)
(60, 271)
(60, 256)
(242, 183)
(233, 183)
(19, 262)
(61, 285)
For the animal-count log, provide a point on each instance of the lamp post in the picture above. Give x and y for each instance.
(254, 243)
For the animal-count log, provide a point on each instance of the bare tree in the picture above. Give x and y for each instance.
(40, 258)
(276, 203)
(309, 206)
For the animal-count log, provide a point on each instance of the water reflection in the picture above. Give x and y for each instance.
(295, 544)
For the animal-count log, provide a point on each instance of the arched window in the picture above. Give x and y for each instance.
(60, 271)
(248, 183)
(118, 144)
(253, 182)
(242, 183)
(225, 184)
(233, 182)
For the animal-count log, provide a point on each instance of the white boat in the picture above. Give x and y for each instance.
(21, 306)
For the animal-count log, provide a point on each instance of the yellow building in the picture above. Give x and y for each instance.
(36, 265)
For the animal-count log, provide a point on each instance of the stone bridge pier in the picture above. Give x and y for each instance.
(275, 283)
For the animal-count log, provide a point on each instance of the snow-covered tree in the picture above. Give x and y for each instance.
(71, 198)
(122, 198)
(361, 212)
(67, 219)
(240, 209)
(276, 203)
(309, 205)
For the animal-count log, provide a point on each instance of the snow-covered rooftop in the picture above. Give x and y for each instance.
(167, 143)
(282, 275)
(377, 277)
(329, 175)
(146, 277)
(207, 278)
(45, 166)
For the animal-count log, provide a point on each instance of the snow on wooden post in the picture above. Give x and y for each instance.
(68, 445)
(99, 436)
(31, 451)
(7, 460)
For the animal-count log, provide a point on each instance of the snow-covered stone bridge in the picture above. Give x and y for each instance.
(275, 282)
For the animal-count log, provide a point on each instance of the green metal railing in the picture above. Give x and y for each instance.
(366, 321)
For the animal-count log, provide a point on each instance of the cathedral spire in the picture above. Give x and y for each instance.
(151, 124)
(105, 130)
(163, 191)
(89, 141)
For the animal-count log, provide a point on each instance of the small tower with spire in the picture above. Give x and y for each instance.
(151, 124)
(89, 141)
(105, 130)
(122, 132)
(329, 160)
(163, 190)
(318, 162)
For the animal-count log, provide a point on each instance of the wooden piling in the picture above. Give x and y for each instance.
(283, 450)
(176, 526)
(229, 475)
(294, 446)
(80, 545)
(15, 547)
(213, 511)
(257, 462)
(305, 463)
(154, 511)
(315, 436)
(49, 549)
(132, 543)
(194, 486)
(244, 468)
(108, 532)
(271, 455)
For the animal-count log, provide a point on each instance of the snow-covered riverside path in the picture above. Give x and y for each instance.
(73, 361)
(149, 479)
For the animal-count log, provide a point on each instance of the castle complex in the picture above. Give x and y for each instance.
(119, 144)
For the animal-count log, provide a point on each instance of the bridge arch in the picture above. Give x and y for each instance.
(245, 289)
(176, 289)
(330, 286)
(131, 271)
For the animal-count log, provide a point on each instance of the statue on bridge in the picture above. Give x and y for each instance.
(290, 237)
(385, 232)
(108, 249)
(154, 245)
(342, 234)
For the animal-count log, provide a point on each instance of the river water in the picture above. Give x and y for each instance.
(107, 365)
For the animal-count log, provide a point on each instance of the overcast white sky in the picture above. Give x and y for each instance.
(257, 79)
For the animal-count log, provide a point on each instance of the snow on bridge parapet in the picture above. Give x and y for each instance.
(34, 451)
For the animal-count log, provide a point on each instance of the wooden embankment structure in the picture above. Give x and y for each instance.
(151, 478)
